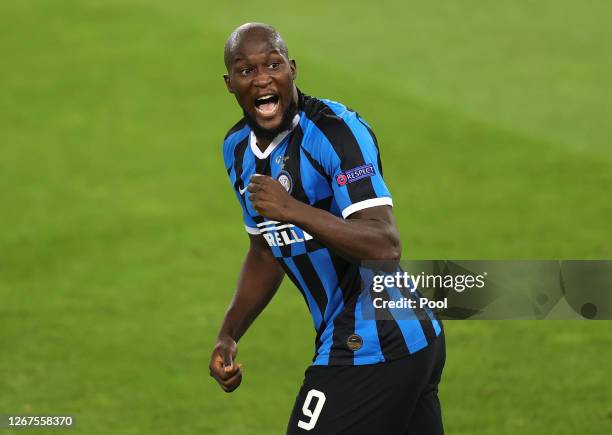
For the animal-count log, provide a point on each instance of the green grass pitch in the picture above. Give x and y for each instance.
(121, 239)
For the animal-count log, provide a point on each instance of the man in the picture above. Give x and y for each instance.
(308, 176)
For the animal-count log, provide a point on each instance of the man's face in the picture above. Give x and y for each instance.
(261, 78)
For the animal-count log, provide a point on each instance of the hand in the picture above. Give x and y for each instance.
(270, 199)
(222, 365)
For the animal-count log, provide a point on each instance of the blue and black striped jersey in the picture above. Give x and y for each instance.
(329, 160)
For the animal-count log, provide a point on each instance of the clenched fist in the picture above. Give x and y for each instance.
(223, 367)
(270, 199)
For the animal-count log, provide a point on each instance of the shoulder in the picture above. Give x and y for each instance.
(321, 110)
(236, 127)
(336, 122)
(332, 117)
(235, 135)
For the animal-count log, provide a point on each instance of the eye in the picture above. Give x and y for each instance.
(245, 71)
(274, 65)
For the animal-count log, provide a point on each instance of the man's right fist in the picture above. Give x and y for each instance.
(222, 366)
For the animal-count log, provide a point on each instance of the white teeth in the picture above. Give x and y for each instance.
(265, 97)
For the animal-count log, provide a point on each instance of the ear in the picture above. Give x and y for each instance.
(228, 83)
(293, 67)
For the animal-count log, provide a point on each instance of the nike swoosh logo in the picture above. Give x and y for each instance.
(242, 190)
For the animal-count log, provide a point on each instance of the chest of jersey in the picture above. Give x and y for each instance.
(288, 164)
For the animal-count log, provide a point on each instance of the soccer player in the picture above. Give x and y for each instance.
(308, 176)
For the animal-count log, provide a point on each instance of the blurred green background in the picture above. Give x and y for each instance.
(121, 239)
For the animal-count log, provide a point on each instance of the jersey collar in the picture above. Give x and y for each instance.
(277, 140)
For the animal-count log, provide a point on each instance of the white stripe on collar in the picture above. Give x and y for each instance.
(278, 139)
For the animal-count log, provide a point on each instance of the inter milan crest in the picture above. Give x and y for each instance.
(285, 179)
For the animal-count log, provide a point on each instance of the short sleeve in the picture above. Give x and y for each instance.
(234, 148)
(353, 164)
(249, 224)
(240, 190)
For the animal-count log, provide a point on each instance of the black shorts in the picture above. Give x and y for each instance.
(398, 397)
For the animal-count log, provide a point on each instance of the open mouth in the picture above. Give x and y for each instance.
(267, 105)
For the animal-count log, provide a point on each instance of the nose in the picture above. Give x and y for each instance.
(262, 79)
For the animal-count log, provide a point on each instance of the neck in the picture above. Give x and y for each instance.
(262, 144)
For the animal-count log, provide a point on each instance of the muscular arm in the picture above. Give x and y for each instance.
(259, 279)
(369, 234)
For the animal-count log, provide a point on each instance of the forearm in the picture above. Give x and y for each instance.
(358, 239)
(368, 234)
(260, 277)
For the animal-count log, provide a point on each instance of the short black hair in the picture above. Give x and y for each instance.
(236, 36)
